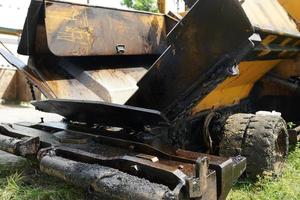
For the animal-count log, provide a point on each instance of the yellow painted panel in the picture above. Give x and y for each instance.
(233, 89)
(269, 39)
(292, 7)
(287, 68)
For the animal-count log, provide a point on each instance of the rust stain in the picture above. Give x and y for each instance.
(83, 34)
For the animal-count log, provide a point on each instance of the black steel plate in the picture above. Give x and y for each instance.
(211, 37)
(102, 113)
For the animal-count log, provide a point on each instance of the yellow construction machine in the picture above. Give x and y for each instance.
(160, 106)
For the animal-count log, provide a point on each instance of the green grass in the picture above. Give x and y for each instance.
(267, 188)
(27, 183)
(30, 184)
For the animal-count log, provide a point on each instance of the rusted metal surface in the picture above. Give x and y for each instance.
(87, 80)
(197, 48)
(76, 30)
(10, 31)
(198, 185)
(67, 29)
(110, 85)
(81, 30)
(63, 84)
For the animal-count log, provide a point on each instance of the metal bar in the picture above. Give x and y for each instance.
(157, 172)
(20, 65)
(10, 31)
(78, 30)
(86, 79)
(198, 185)
(11, 59)
(104, 180)
(15, 131)
(23, 147)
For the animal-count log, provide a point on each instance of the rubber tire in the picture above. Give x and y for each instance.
(262, 139)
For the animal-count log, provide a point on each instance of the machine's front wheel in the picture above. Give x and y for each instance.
(261, 138)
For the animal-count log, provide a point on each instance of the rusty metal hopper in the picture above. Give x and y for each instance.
(89, 53)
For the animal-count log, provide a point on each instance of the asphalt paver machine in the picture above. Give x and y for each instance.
(158, 106)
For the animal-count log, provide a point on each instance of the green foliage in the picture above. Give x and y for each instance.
(145, 5)
(269, 188)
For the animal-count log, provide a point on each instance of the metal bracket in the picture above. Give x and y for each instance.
(197, 186)
(233, 70)
(120, 49)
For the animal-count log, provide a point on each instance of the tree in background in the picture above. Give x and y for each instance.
(145, 5)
